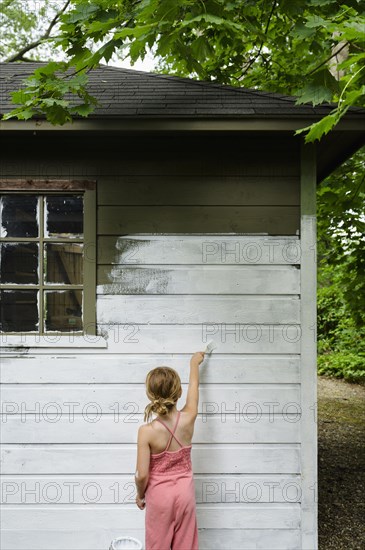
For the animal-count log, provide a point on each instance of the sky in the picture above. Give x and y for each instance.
(148, 64)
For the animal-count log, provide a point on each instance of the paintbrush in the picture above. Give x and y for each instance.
(210, 347)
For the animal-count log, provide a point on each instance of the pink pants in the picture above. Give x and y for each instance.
(171, 513)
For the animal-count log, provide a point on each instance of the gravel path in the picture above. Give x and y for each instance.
(341, 464)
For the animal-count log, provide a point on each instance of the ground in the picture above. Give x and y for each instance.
(341, 464)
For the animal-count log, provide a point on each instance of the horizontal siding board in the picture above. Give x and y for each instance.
(273, 539)
(120, 489)
(193, 190)
(250, 458)
(199, 250)
(119, 309)
(91, 427)
(132, 338)
(230, 338)
(223, 369)
(92, 538)
(176, 279)
(114, 220)
(229, 515)
(213, 398)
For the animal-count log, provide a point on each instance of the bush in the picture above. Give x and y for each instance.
(342, 364)
(341, 342)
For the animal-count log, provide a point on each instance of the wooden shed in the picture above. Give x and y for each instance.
(180, 211)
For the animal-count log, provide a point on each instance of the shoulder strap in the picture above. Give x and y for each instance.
(172, 433)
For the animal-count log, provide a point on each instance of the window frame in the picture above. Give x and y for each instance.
(87, 188)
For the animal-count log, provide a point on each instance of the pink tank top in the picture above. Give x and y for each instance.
(171, 462)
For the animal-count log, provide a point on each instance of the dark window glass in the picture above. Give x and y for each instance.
(19, 263)
(63, 263)
(63, 310)
(64, 216)
(18, 310)
(19, 216)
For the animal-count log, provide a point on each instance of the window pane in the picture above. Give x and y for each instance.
(64, 216)
(19, 216)
(19, 263)
(63, 310)
(63, 263)
(18, 310)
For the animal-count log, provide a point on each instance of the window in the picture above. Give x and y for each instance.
(47, 258)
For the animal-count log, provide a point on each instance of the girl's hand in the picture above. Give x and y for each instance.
(197, 358)
(140, 502)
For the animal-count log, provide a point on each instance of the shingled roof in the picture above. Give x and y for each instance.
(125, 93)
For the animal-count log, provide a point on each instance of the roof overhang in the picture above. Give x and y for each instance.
(332, 150)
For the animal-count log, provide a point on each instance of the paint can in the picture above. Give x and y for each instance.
(126, 543)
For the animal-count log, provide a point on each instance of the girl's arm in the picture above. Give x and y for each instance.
(143, 461)
(192, 398)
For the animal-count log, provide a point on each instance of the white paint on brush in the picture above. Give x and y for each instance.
(210, 347)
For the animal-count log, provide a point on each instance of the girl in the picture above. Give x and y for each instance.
(164, 476)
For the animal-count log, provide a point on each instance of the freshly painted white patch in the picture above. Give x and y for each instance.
(207, 249)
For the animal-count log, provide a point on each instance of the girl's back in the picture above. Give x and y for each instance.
(160, 436)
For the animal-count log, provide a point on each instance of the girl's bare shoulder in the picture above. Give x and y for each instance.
(187, 415)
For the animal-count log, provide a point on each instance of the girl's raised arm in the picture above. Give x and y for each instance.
(192, 398)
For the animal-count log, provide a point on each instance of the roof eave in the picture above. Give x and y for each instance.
(274, 124)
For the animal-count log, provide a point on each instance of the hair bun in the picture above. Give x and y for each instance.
(161, 405)
(162, 381)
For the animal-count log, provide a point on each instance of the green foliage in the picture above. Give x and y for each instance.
(341, 268)
(276, 46)
(341, 343)
(347, 365)
(341, 231)
(52, 93)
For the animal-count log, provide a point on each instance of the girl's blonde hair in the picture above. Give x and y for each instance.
(163, 388)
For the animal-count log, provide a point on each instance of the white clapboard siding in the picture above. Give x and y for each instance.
(21, 343)
(165, 249)
(219, 369)
(121, 489)
(134, 338)
(123, 309)
(230, 337)
(91, 426)
(207, 279)
(241, 290)
(213, 398)
(210, 516)
(240, 458)
(97, 538)
(248, 539)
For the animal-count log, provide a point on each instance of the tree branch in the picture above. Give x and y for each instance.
(328, 59)
(30, 60)
(251, 62)
(20, 55)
